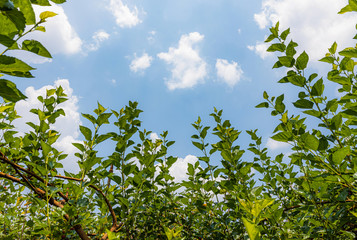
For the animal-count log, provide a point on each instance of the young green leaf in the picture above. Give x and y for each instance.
(47, 14)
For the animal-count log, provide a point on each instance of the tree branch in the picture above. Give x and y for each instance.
(321, 203)
(115, 221)
(16, 166)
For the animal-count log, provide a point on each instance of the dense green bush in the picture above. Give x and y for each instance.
(130, 194)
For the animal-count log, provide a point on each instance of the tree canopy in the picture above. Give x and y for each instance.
(130, 193)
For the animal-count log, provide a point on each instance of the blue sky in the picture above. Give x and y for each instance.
(178, 59)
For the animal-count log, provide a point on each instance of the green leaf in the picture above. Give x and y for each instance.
(333, 48)
(270, 38)
(58, 1)
(313, 112)
(290, 50)
(276, 47)
(79, 146)
(284, 34)
(282, 137)
(349, 52)
(318, 88)
(11, 64)
(47, 14)
(45, 148)
(350, 112)
(18, 74)
(198, 145)
(103, 118)
(252, 229)
(263, 105)
(87, 133)
(336, 122)
(89, 117)
(279, 105)
(327, 59)
(287, 61)
(6, 41)
(265, 95)
(303, 103)
(278, 65)
(7, 27)
(102, 138)
(100, 109)
(323, 144)
(9, 91)
(41, 28)
(41, 2)
(26, 8)
(310, 141)
(352, 6)
(297, 80)
(35, 47)
(339, 155)
(302, 60)
(17, 18)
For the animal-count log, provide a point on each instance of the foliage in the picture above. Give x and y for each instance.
(130, 194)
(17, 19)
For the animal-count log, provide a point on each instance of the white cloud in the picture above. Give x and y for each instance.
(154, 137)
(113, 82)
(124, 16)
(230, 73)
(274, 145)
(188, 68)
(140, 63)
(260, 48)
(67, 125)
(315, 24)
(179, 169)
(60, 36)
(151, 37)
(98, 38)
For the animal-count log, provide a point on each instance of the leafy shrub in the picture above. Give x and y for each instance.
(130, 194)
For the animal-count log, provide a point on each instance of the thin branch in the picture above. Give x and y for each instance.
(16, 166)
(319, 203)
(10, 177)
(110, 171)
(115, 221)
(33, 188)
